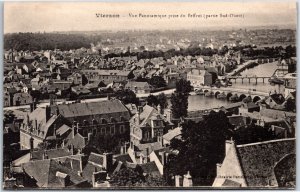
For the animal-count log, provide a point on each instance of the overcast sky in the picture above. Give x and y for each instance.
(78, 16)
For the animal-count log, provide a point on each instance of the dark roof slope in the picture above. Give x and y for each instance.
(88, 109)
(258, 159)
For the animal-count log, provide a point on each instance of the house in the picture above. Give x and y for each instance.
(160, 158)
(50, 173)
(199, 77)
(99, 119)
(147, 126)
(80, 90)
(263, 164)
(107, 76)
(170, 135)
(28, 68)
(22, 99)
(77, 79)
(290, 83)
(275, 101)
(249, 107)
(138, 87)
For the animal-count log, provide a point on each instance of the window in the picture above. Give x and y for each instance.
(122, 128)
(94, 132)
(112, 130)
(103, 130)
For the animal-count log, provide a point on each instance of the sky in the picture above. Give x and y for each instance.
(81, 16)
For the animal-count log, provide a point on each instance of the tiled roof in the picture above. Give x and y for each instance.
(52, 153)
(44, 172)
(63, 129)
(257, 160)
(89, 109)
(172, 133)
(96, 158)
(123, 158)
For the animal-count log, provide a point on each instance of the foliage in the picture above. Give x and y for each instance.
(179, 105)
(179, 99)
(202, 146)
(45, 41)
(157, 82)
(163, 101)
(290, 105)
(251, 134)
(128, 177)
(127, 96)
(152, 100)
(9, 117)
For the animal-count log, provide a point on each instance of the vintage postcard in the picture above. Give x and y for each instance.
(182, 95)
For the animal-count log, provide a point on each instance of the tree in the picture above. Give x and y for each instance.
(152, 100)
(157, 81)
(179, 99)
(127, 177)
(163, 101)
(290, 105)
(251, 134)
(127, 96)
(201, 146)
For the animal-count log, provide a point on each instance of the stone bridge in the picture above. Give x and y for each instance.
(241, 93)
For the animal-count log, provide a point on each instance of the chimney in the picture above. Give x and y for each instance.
(36, 124)
(159, 109)
(163, 157)
(187, 180)
(107, 161)
(140, 109)
(228, 145)
(31, 107)
(63, 177)
(160, 140)
(218, 169)
(48, 113)
(31, 143)
(90, 135)
(178, 181)
(73, 131)
(45, 156)
(80, 163)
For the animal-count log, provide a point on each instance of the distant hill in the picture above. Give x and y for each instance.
(47, 41)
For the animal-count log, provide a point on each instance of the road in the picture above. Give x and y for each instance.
(240, 68)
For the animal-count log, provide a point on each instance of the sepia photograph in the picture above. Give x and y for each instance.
(149, 95)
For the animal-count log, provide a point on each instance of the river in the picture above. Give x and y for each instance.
(199, 102)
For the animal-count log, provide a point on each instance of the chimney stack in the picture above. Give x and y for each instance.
(63, 177)
(228, 145)
(218, 169)
(107, 161)
(48, 113)
(163, 156)
(187, 180)
(178, 181)
(90, 135)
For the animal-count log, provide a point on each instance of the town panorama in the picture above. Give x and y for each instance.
(150, 109)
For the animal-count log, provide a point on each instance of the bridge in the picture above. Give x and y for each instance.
(229, 91)
(249, 78)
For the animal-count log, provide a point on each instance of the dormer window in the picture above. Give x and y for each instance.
(103, 121)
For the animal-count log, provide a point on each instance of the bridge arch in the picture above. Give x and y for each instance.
(256, 98)
(205, 90)
(242, 96)
(228, 96)
(217, 93)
